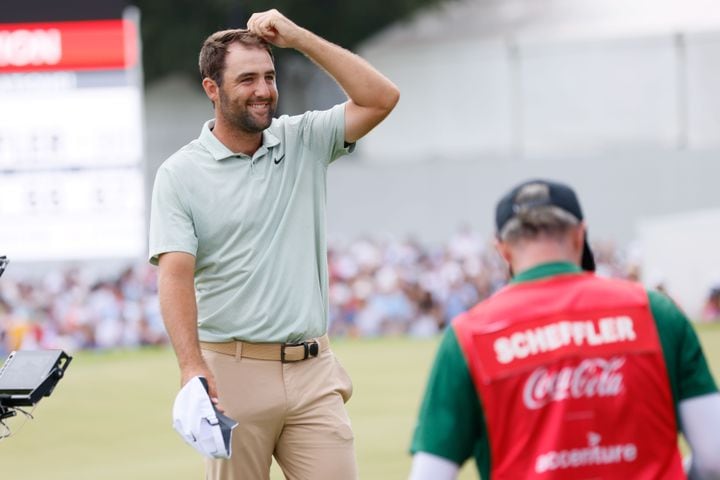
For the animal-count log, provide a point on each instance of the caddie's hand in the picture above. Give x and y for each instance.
(275, 28)
(202, 371)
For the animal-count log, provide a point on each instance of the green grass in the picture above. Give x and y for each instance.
(109, 419)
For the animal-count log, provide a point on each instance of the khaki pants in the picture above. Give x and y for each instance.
(292, 411)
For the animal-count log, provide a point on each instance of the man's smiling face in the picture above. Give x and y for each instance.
(248, 94)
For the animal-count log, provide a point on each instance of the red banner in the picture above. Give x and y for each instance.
(83, 45)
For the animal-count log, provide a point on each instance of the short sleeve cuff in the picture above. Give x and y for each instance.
(154, 257)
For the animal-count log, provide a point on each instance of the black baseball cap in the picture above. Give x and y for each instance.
(559, 195)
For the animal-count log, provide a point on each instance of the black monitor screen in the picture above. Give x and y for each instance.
(25, 370)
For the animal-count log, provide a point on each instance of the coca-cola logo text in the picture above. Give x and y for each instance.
(593, 377)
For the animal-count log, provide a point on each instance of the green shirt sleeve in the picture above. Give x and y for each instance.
(450, 419)
(171, 224)
(687, 368)
(324, 131)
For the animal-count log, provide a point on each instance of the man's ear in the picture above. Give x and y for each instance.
(575, 241)
(579, 238)
(506, 253)
(504, 250)
(211, 89)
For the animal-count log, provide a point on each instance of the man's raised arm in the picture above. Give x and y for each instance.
(371, 96)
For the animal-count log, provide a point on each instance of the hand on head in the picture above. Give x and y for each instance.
(275, 28)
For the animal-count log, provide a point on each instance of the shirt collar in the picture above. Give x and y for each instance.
(220, 152)
(546, 270)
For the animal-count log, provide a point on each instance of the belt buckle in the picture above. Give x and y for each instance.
(311, 349)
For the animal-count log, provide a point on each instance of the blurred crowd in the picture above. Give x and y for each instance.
(74, 310)
(378, 286)
(386, 286)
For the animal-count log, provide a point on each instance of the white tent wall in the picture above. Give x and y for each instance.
(431, 199)
(549, 98)
(681, 251)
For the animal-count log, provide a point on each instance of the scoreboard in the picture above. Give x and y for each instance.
(71, 140)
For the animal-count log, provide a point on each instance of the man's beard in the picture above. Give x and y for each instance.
(241, 118)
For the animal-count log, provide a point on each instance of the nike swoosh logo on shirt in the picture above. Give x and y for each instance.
(278, 160)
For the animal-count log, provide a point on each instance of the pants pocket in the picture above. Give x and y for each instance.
(344, 382)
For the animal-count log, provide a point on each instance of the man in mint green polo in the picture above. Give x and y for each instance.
(237, 228)
(563, 374)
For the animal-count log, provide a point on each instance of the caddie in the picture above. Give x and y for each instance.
(563, 374)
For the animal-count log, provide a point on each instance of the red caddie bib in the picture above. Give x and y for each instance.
(571, 377)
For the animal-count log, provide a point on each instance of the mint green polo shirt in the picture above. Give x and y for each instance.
(451, 423)
(256, 226)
